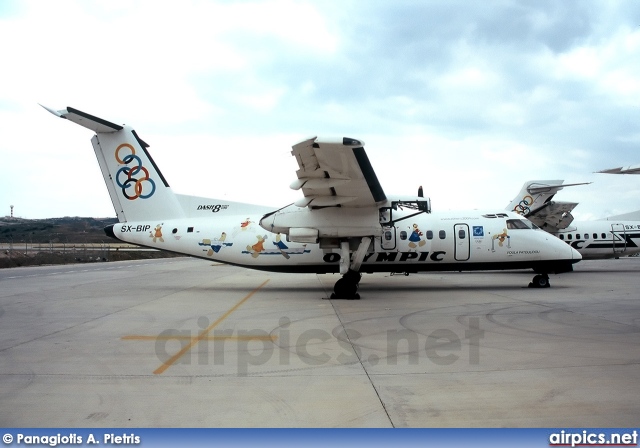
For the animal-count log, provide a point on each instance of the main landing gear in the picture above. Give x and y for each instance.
(347, 287)
(540, 281)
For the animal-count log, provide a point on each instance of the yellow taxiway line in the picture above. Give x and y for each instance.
(204, 335)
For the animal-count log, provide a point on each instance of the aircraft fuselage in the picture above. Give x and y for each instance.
(344, 222)
(602, 239)
(411, 242)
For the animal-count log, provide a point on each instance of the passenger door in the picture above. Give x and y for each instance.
(619, 238)
(388, 241)
(462, 242)
(388, 237)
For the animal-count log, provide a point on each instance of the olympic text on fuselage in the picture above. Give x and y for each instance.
(392, 256)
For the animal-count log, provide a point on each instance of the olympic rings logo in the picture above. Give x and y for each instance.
(523, 207)
(126, 173)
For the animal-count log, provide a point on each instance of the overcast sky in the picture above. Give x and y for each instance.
(469, 99)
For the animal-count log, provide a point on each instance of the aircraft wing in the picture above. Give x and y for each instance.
(335, 172)
(552, 215)
(632, 169)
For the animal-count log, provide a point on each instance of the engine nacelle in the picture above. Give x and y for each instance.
(306, 225)
(303, 235)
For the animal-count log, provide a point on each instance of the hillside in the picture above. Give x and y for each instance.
(27, 242)
(55, 230)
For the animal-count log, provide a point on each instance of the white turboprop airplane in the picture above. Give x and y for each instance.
(597, 239)
(343, 223)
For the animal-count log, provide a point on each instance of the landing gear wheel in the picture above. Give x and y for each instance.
(347, 287)
(540, 281)
(356, 296)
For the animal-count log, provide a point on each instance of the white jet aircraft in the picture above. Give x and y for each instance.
(597, 239)
(343, 223)
(631, 169)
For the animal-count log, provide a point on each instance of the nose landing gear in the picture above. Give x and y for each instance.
(540, 281)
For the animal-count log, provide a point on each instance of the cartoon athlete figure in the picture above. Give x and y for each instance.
(216, 244)
(244, 226)
(415, 238)
(280, 245)
(258, 247)
(157, 234)
(500, 237)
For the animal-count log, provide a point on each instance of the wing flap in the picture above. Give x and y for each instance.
(552, 215)
(324, 201)
(335, 172)
(317, 182)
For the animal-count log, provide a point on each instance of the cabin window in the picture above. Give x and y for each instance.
(604, 236)
(595, 236)
(174, 231)
(189, 229)
(517, 224)
(403, 235)
(429, 234)
(495, 215)
(586, 236)
(561, 236)
(569, 236)
(387, 235)
(462, 234)
(442, 234)
(577, 236)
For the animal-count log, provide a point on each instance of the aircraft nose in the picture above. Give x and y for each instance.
(575, 255)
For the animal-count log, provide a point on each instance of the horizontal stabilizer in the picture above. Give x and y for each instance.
(97, 125)
(537, 188)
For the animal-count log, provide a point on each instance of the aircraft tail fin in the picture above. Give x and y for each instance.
(536, 193)
(533, 194)
(137, 188)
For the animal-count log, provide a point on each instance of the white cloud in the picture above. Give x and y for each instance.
(610, 65)
(446, 100)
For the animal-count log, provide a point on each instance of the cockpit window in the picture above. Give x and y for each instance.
(518, 224)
